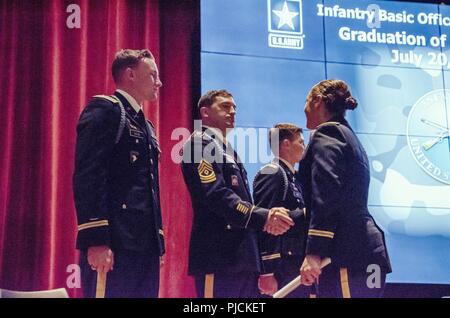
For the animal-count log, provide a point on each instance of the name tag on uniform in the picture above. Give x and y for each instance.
(136, 133)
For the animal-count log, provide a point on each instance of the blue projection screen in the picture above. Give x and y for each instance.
(396, 58)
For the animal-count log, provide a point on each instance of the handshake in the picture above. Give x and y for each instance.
(278, 221)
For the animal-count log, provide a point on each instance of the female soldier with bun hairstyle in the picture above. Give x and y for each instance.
(335, 177)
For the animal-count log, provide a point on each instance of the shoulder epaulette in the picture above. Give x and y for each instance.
(112, 99)
(329, 123)
(269, 168)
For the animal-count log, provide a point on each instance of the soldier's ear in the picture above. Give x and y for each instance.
(129, 74)
(204, 113)
(286, 142)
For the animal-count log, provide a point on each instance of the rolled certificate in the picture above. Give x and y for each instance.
(101, 285)
(293, 284)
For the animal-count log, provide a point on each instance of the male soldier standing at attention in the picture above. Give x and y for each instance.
(223, 254)
(276, 185)
(116, 184)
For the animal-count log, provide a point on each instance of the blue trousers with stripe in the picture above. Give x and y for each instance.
(335, 282)
(135, 275)
(227, 285)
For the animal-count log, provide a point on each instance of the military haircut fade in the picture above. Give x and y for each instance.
(210, 97)
(128, 58)
(284, 131)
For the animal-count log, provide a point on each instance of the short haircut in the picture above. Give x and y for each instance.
(128, 58)
(210, 97)
(284, 131)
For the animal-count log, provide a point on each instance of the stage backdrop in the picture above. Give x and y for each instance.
(396, 58)
(48, 73)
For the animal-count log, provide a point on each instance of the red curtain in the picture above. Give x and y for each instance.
(48, 73)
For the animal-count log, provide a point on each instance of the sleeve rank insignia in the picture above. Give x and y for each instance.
(206, 172)
(242, 208)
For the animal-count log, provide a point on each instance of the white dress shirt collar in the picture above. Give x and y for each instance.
(286, 163)
(131, 100)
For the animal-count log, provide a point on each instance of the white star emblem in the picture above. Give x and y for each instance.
(285, 16)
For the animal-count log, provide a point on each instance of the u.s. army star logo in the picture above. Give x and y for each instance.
(428, 134)
(206, 172)
(285, 24)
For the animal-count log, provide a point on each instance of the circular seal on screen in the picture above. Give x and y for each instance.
(428, 134)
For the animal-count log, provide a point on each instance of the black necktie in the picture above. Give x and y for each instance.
(140, 118)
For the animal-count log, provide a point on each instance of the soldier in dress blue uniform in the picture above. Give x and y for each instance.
(335, 179)
(116, 184)
(223, 253)
(276, 185)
